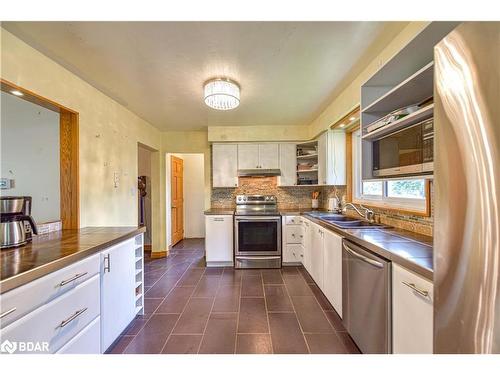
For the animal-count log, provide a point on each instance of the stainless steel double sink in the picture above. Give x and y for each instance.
(343, 221)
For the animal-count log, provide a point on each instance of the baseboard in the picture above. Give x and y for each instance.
(158, 254)
(147, 248)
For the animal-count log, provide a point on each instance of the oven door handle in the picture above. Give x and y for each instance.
(256, 257)
(258, 218)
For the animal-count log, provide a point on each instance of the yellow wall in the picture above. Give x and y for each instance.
(349, 98)
(257, 133)
(109, 135)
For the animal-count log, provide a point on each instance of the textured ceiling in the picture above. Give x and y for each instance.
(288, 71)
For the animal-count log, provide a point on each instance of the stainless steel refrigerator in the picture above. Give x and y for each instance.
(467, 196)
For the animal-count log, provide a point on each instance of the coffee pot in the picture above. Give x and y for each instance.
(16, 223)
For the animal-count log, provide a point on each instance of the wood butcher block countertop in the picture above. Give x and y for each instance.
(50, 252)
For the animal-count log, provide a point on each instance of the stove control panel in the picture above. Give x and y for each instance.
(256, 199)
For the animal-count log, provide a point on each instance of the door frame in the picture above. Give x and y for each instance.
(171, 162)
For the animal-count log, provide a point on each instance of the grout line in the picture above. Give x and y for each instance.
(267, 311)
(239, 312)
(209, 314)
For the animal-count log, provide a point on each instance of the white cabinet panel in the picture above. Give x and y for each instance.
(332, 158)
(117, 290)
(88, 341)
(219, 239)
(224, 165)
(43, 290)
(293, 220)
(317, 241)
(322, 158)
(294, 234)
(60, 320)
(308, 228)
(248, 156)
(293, 253)
(332, 270)
(412, 312)
(269, 156)
(288, 164)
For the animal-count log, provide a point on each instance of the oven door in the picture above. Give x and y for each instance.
(257, 241)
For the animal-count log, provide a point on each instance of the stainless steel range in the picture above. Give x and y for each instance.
(257, 232)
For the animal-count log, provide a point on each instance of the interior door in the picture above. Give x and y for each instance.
(177, 173)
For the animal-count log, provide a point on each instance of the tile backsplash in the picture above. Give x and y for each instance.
(291, 197)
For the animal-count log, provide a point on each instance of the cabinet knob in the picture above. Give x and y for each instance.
(302, 255)
(293, 234)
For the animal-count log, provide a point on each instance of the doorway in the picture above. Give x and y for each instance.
(185, 196)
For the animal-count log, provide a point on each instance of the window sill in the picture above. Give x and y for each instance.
(425, 211)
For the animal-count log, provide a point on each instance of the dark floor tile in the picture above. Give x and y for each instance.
(277, 298)
(348, 343)
(151, 304)
(320, 297)
(335, 320)
(296, 286)
(249, 271)
(151, 277)
(213, 271)
(152, 337)
(290, 270)
(198, 263)
(251, 286)
(227, 299)
(220, 334)
(272, 277)
(135, 326)
(253, 317)
(311, 317)
(325, 343)
(231, 276)
(286, 335)
(207, 287)
(195, 316)
(162, 287)
(253, 344)
(182, 344)
(191, 277)
(306, 275)
(120, 345)
(176, 300)
(177, 270)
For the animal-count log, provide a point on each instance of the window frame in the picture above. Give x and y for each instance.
(413, 206)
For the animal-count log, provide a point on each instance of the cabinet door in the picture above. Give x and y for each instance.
(248, 156)
(412, 312)
(224, 165)
(288, 164)
(317, 254)
(117, 290)
(322, 158)
(336, 158)
(269, 156)
(87, 341)
(307, 245)
(219, 238)
(332, 270)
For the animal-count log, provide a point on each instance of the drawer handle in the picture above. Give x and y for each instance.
(218, 219)
(423, 293)
(8, 312)
(77, 276)
(72, 317)
(107, 258)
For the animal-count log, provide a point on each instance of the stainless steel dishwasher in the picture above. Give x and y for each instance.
(366, 280)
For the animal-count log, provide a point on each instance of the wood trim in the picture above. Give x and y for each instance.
(348, 160)
(68, 152)
(158, 254)
(147, 248)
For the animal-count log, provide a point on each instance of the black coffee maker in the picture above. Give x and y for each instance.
(16, 223)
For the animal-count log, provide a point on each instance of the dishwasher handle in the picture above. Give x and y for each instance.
(363, 258)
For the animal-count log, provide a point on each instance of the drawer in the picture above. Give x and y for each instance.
(29, 297)
(293, 220)
(293, 254)
(58, 321)
(87, 341)
(294, 234)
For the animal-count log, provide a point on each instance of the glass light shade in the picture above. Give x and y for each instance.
(222, 94)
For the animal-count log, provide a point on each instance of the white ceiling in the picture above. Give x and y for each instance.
(288, 71)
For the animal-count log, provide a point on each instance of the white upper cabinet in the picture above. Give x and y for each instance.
(288, 164)
(257, 156)
(248, 156)
(224, 165)
(332, 158)
(269, 156)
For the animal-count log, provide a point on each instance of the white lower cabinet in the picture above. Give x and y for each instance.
(293, 253)
(317, 261)
(219, 240)
(307, 231)
(117, 290)
(88, 341)
(332, 279)
(412, 312)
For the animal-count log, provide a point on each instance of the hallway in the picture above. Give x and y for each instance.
(193, 309)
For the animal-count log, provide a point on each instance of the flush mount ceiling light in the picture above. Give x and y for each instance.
(222, 94)
(16, 93)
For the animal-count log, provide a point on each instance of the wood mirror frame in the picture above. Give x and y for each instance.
(68, 153)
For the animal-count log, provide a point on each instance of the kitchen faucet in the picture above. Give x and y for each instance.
(368, 215)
